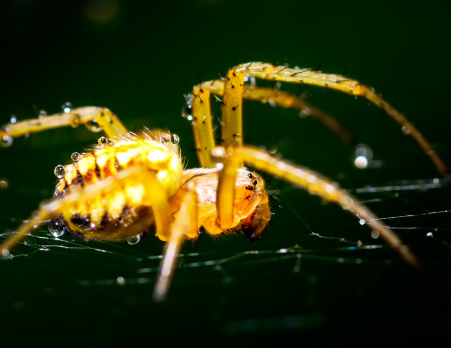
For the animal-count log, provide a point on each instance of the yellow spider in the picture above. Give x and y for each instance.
(127, 185)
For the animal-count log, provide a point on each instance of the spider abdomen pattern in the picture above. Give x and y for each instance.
(124, 210)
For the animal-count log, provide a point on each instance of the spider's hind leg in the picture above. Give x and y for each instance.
(94, 118)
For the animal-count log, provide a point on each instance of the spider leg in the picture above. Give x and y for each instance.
(156, 198)
(202, 127)
(300, 176)
(285, 100)
(94, 118)
(185, 224)
(232, 110)
(264, 71)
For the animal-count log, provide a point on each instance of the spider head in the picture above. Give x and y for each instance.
(256, 222)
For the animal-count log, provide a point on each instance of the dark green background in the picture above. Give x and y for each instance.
(139, 64)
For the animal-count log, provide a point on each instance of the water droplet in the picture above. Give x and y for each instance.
(250, 80)
(93, 126)
(165, 138)
(134, 240)
(103, 141)
(361, 162)
(56, 228)
(13, 119)
(218, 152)
(429, 234)
(374, 234)
(5, 252)
(120, 280)
(272, 103)
(175, 139)
(273, 150)
(59, 171)
(359, 243)
(7, 140)
(67, 106)
(405, 130)
(362, 222)
(436, 181)
(75, 156)
(305, 111)
(3, 184)
(42, 113)
(187, 109)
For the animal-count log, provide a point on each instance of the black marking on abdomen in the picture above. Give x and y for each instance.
(80, 221)
(79, 180)
(105, 220)
(124, 213)
(97, 170)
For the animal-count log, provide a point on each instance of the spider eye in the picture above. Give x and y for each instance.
(250, 176)
(249, 187)
(255, 182)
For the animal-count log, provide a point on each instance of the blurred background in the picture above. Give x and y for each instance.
(139, 59)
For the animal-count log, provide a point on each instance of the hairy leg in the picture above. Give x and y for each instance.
(284, 100)
(234, 87)
(300, 176)
(94, 118)
(185, 224)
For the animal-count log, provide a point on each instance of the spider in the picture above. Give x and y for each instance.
(128, 184)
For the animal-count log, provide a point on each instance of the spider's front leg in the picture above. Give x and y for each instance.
(299, 176)
(339, 83)
(185, 224)
(94, 118)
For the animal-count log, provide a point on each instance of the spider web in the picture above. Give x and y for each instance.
(316, 266)
(309, 278)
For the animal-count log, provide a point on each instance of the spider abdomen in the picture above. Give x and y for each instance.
(123, 210)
